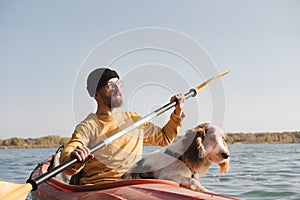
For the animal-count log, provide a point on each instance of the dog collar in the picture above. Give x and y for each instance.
(173, 154)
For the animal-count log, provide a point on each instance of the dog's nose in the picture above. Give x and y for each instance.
(225, 155)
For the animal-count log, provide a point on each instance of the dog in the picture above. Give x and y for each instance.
(186, 158)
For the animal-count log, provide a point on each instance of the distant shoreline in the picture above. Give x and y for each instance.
(264, 138)
(55, 141)
(51, 141)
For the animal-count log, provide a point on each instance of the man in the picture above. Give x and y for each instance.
(111, 162)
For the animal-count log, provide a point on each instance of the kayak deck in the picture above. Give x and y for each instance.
(152, 189)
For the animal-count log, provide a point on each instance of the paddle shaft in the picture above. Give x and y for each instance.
(107, 141)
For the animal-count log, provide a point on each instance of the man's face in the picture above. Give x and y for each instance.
(111, 94)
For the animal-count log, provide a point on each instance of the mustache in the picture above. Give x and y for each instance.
(115, 93)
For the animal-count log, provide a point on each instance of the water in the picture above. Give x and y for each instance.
(257, 172)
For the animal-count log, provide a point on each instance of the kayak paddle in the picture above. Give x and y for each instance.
(13, 191)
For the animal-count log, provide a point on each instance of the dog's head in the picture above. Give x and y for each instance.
(206, 145)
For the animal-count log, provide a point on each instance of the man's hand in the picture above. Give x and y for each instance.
(82, 154)
(180, 98)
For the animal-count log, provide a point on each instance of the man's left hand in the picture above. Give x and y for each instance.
(180, 98)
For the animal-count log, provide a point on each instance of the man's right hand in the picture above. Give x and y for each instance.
(82, 154)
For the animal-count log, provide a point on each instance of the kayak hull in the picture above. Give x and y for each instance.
(152, 189)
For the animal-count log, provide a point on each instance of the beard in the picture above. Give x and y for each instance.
(116, 101)
(113, 101)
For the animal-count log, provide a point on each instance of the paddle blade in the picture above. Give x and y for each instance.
(203, 85)
(14, 191)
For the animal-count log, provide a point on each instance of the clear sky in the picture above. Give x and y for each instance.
(45, 48)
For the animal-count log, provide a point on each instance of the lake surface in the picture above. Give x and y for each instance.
(257, 172)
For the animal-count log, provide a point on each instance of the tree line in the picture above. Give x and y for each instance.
(51, 141)
(258, 138)
(54, 141)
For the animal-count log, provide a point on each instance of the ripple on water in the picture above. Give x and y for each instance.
(263, 194)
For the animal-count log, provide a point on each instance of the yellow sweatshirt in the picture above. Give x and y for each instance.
(112, 161)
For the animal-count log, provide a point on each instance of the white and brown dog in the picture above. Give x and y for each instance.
(189, 156)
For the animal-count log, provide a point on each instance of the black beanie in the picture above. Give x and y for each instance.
(98, 78)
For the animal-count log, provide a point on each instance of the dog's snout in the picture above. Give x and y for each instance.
(225, 155)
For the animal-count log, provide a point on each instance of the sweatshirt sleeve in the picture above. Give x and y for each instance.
(154, 135)
(79, 138)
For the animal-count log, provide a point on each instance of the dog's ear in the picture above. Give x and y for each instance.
(200, 147)
(201, 130)
(199, 142)
(194, 142)
(199, 139)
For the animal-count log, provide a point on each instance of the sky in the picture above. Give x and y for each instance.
(159, 48)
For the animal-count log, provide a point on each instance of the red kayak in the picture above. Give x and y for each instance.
(152, 189)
